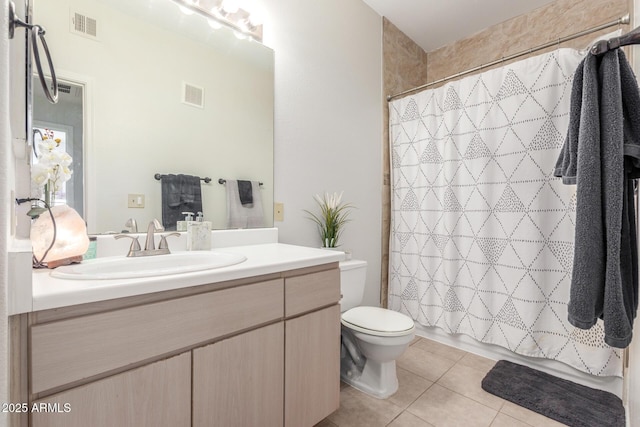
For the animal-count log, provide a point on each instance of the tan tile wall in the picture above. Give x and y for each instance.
(406, 65)
(556, 20)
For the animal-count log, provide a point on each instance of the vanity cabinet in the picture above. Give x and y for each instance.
(312, 368)
(158, 394)
(312, 351)
(260, 351)
(243, 375)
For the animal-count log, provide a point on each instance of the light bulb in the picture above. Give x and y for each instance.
(230, 6)
(185, 9)
(239, 35)
(256, 18)
(217, 12)
(244, 26)
(214, 24)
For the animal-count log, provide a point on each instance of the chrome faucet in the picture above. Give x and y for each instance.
(150, 246)
(131, 225)
(154, 226)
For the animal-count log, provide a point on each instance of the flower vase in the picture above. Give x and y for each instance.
(329, 243)
(49, 195)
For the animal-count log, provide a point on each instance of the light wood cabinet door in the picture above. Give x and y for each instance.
(238, 381)
(117, 338)
(312, 367)
(155, 395)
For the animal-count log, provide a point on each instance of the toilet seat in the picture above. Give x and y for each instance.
(378, 321)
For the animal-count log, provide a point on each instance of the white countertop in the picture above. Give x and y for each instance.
(50, 292)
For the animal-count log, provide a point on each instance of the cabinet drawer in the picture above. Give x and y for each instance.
(69, 350)
(310, 291)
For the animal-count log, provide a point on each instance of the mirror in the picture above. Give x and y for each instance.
(132, 78)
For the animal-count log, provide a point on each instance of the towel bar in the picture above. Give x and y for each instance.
(160, 176)
(222, 181)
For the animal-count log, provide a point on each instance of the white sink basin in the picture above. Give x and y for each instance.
(149, 266)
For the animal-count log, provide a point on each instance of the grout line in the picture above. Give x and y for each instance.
(406, 409)
(494, 418)
(471, 398)
(394, 418)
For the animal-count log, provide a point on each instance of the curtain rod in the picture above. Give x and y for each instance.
(622, 20)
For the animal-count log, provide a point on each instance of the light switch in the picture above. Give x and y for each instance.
(278, 211)
(136, 200)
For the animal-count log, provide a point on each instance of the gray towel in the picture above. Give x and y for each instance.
(246, 193)
(602, 122)
(180, 193)
(239, 216)
(190, 192)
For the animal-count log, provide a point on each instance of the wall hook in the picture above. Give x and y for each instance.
(36, 32)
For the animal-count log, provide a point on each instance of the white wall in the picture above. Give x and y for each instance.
(5, 151)
(328, 119)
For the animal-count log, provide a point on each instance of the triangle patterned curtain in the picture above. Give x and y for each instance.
(482, 233)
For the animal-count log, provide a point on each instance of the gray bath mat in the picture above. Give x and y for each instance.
(564, 401)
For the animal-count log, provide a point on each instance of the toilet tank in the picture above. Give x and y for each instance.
(352, 279)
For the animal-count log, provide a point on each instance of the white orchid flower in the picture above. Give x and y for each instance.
(66, 159)
(47, 145)
(40, 174)
(53, 166)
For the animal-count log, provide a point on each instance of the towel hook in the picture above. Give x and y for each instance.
(37, 31)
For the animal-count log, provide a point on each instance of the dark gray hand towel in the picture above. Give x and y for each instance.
(170, 187)
(245, 191)
(602, 122)
(180, 193)
(190, 191)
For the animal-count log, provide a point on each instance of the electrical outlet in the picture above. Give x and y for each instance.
(278, 212)
(136, 200)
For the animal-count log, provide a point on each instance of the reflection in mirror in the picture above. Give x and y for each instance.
(61, 122)
(133, 65)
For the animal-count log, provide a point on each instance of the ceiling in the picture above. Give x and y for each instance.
(436, 23)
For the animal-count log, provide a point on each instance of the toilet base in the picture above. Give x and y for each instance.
(377, 379)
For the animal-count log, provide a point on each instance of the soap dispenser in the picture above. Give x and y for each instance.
(199, 234)
(182, 225)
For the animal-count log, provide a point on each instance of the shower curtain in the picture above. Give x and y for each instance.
(481, 232)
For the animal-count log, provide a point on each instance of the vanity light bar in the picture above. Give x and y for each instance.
(238, 20)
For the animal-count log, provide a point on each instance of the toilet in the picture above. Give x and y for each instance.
(372, 337)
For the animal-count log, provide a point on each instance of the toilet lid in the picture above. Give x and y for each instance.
(378, 321)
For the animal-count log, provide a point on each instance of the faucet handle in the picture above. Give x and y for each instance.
(135, 243)
(163, 240)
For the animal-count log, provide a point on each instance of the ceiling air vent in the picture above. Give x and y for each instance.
(83, 25)
(64, 88)
(192, 95)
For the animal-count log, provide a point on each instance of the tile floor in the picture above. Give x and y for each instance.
(439, 386)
